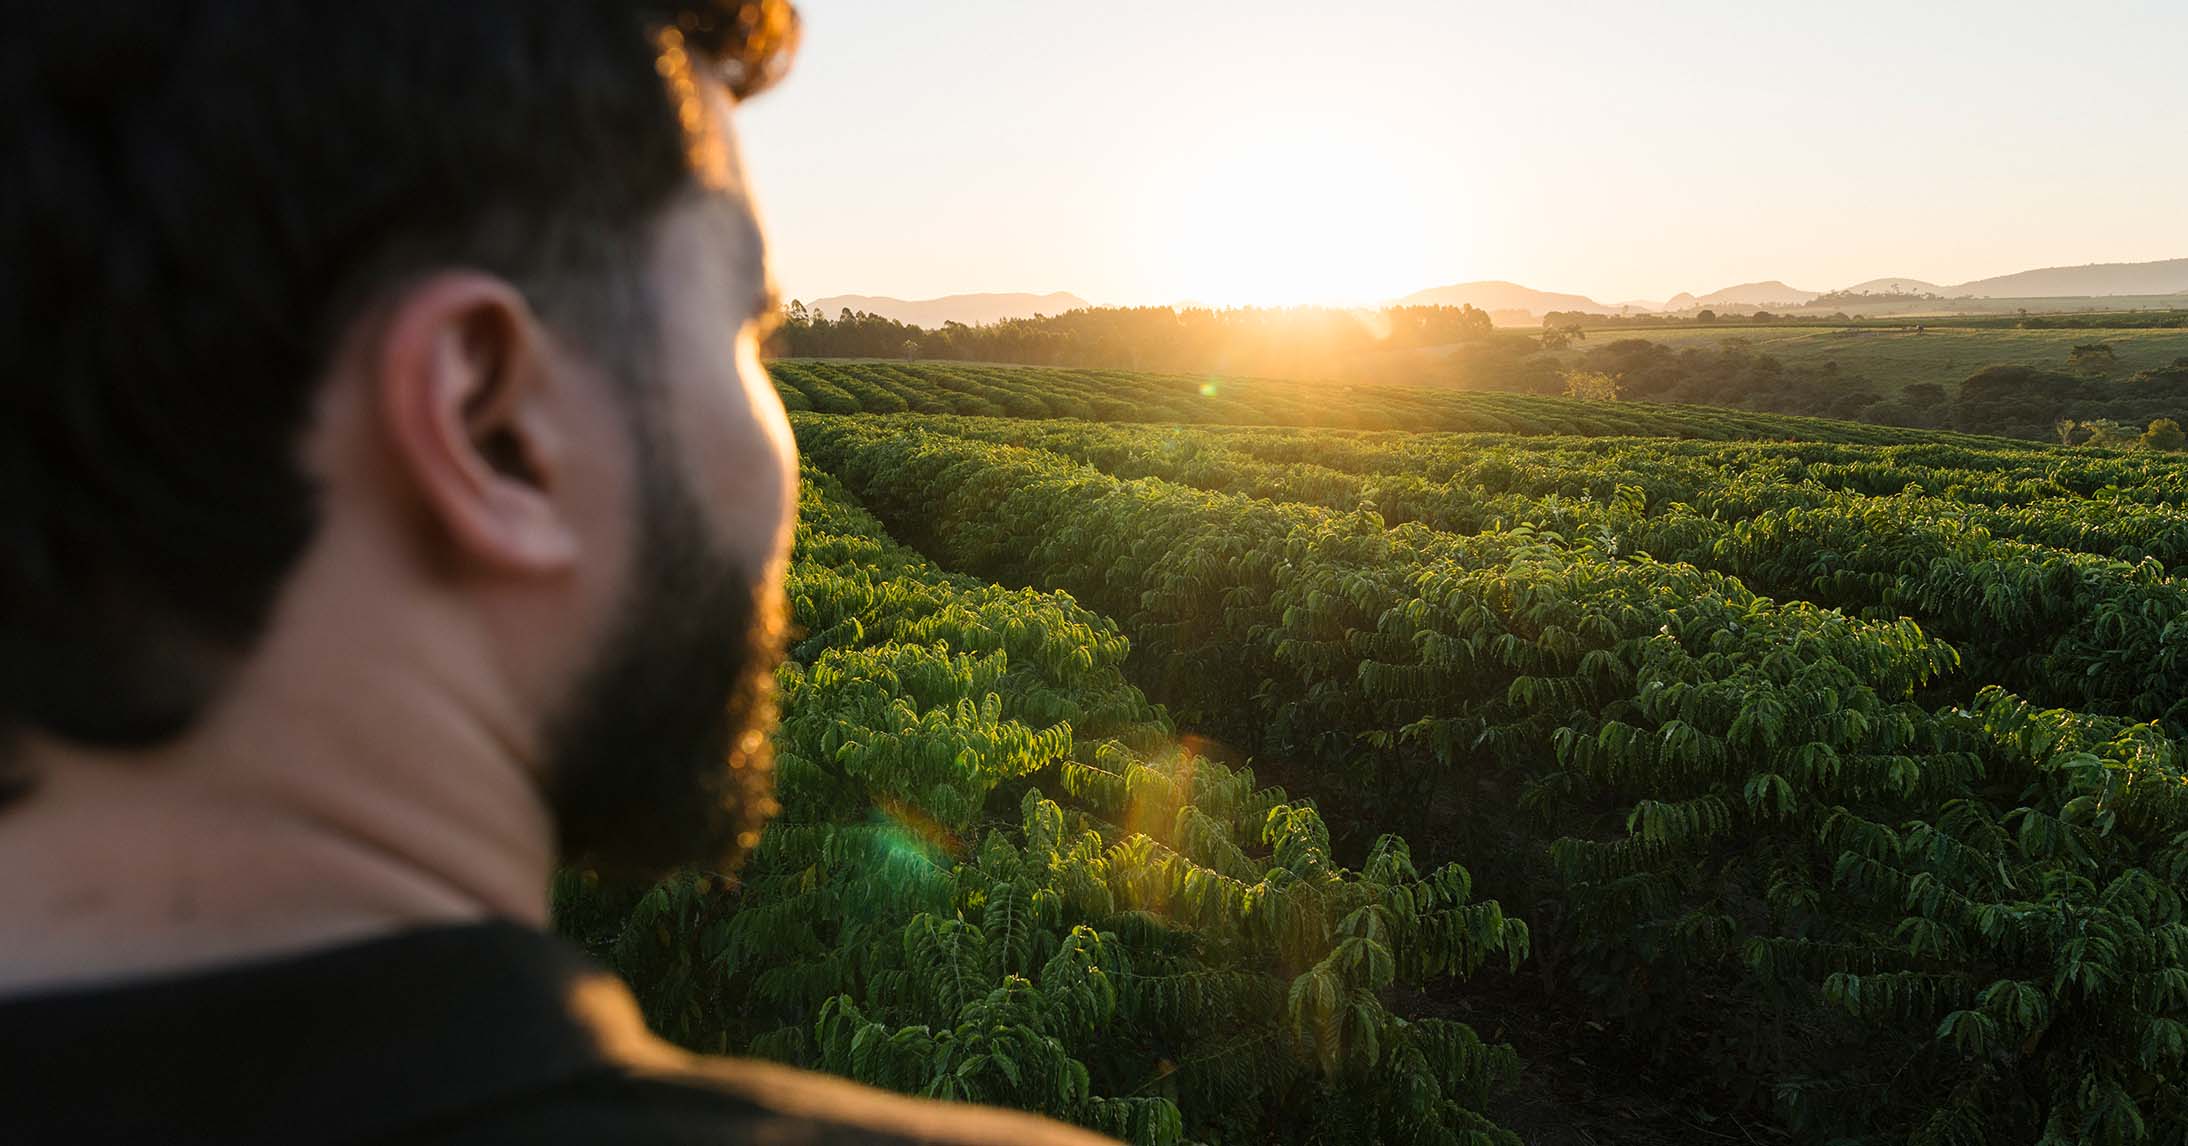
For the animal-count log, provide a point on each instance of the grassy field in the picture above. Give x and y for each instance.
(1897, 358)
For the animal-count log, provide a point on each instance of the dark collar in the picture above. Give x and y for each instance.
(350, 1043)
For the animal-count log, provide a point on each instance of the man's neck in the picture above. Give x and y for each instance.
(183, 886)
(332, 809)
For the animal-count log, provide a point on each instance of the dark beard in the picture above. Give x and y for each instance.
(661, 758)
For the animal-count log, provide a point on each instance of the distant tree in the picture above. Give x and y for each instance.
(1705, 316)
(2109, 432)
(910, 349)
(1562, 335)
(2164, 434)
(2065, 428)
(2023, 401)
(1592, 385)
(2094, 358)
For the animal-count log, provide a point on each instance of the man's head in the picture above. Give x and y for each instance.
(421, 326)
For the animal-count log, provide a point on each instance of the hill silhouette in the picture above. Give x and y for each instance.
(2165, 276)
(970, 309)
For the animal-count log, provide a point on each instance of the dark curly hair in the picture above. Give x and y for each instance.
(200, 195)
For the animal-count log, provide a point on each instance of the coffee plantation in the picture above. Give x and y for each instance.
(1845, 753)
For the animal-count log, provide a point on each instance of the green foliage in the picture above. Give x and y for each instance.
(2107, 432)
(1294, 341)
(1591, 385)
(1717, 715)
(1912, 920)
(2092, 358)
(1359, 371)
(2164, 434)
(997, 879)
(2053, 579)
(1033, 393)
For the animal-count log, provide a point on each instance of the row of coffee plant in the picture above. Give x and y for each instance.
(997, 877)
(1720, 812)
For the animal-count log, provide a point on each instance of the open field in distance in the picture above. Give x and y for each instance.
(1894, 359)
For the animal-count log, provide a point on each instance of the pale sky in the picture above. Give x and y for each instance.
(1262, 151)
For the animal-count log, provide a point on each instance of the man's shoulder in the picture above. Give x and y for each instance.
(674, 1100)
(465, 1035)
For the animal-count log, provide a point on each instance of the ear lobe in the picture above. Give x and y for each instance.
(463, 393)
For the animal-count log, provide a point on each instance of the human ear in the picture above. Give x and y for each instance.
(461, 386)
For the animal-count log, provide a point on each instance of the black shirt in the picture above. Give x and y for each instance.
(484, 1033)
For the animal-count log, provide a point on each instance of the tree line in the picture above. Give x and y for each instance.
(1242, 340)
(2092, 401)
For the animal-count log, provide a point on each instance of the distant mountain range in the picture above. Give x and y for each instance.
(2096, 279)
(970, 309)
(1512, 304)
(1496, 295)
(1892, 286)
(1506, 300)
(1770, 293)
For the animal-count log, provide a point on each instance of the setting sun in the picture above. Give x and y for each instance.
(1287, 212)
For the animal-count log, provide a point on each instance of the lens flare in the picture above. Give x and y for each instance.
(910, 831)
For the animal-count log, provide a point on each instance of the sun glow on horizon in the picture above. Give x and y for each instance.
(1143, 153)
(1298, 213)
